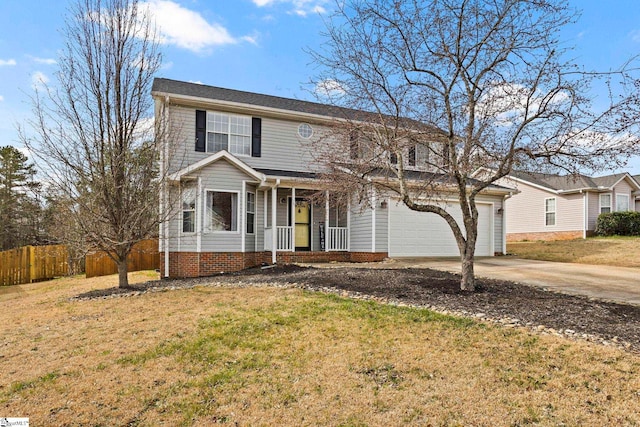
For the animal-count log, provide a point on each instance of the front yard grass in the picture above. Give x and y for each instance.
(273, 356)
(618, 251)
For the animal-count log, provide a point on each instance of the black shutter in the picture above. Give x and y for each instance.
(256, 137)
(201, 130)
(412, 156)
(393, 158)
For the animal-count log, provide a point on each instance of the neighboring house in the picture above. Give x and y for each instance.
(557, 207)
(242, 167)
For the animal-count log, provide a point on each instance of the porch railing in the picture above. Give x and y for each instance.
(284, 238)
(338, 238)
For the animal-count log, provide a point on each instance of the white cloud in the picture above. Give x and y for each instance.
(39, 80)
(635, 35)
(298, 7)
(186, 28)
(1, 98)
(329, 88)
(4, 62)
(509, 103)
(45, 61)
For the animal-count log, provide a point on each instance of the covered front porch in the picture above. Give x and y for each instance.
(298, 220)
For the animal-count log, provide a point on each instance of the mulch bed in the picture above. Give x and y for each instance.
(511, 304)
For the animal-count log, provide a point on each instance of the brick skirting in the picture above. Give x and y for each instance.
(551, 235)
(194, 264)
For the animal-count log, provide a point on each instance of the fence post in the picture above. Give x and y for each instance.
(32, 263)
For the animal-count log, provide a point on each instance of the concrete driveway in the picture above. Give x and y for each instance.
(618, 284)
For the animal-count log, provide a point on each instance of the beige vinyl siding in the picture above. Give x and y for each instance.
(526, 210)
(637, 205)
(623, 188)
(593, 209)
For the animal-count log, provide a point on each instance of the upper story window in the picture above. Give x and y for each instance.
(305, 130)
(605, 203)
(550, 211)
(622, 202)
(228, 132)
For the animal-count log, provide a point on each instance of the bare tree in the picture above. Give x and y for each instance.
(90, 131)
(454, 86)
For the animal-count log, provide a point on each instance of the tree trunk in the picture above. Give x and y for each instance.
(468, 280)
(123, 278)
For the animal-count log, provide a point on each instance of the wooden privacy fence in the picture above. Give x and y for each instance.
(32, 263)
(143, 256)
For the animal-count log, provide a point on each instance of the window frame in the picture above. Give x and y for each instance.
(251, 212)
(600, 205)
(547, 212)
(193, 210)
(247, 137)
(623, 196)
(207, 227)
(306, 126)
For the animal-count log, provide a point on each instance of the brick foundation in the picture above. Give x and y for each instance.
(554, 235)
(194, 264)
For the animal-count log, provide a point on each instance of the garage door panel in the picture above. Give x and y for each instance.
(413, 233)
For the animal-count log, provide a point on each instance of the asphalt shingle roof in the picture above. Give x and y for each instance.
(197, 90)
(568, 182)
(250, 98)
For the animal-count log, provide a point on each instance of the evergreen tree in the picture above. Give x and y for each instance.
(19, 208)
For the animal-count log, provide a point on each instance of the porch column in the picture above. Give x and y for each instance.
(274, 228)
(293, 219)
(326, 221)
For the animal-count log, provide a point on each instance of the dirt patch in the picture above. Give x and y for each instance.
(509, 303)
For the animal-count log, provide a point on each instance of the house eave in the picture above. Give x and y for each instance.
(241, 108)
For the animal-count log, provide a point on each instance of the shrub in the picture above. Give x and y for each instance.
(618, 224)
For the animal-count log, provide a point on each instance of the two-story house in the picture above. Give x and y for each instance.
(240, 165)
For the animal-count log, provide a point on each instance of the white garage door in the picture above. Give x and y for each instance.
(414, 233)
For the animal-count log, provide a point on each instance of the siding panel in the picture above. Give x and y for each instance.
(526, 210)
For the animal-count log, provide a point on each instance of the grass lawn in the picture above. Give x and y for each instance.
(267, 356)
(619, 251)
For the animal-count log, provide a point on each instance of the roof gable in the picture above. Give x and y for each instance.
(571, 183)
(220, 155)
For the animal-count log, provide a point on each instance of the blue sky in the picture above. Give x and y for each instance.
(252, 45)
